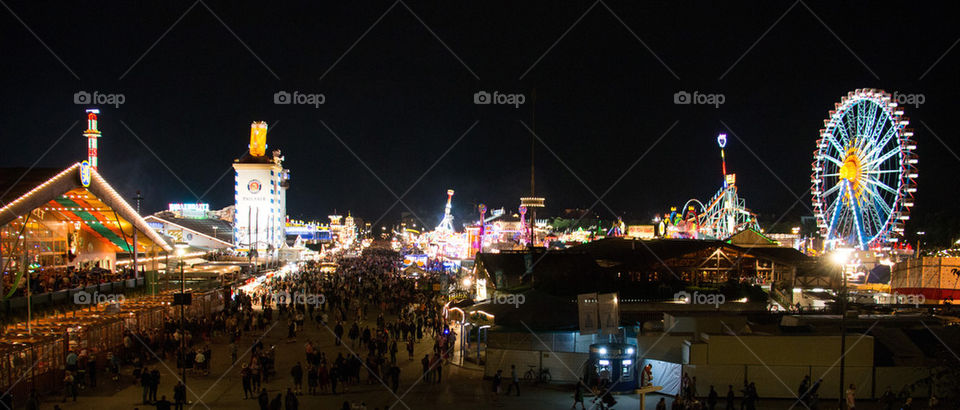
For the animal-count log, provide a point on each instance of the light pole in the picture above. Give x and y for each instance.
(919, 236)
(181, 248)
(841, 257)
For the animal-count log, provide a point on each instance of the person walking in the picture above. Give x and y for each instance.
(263, 400)
(514, 381)
(33, 402)
(92, 370)
(312, 379)
(334, 376)
(662, 404)
(69, 386)
(712, 398)
(338, 332)
(439, 369)
(851, 397)
(179, 395)
(425, 364)
(730, 398)
(394, 377)
(154, 383)
(577, 395)
(297, 374)
(245, 378)
(145, 384)
(277, 402)
(497, 379)
(162, 404)
(291, 402)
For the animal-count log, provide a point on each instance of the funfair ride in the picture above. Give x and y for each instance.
(444, 241)
(724, 214)
(864, 172)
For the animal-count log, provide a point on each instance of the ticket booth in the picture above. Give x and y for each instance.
(615, 363)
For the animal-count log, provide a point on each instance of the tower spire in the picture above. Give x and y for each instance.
(92, 134)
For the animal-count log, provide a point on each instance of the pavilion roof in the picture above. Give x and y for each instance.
(97, 206)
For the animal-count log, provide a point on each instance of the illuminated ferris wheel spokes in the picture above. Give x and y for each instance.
(863, 174)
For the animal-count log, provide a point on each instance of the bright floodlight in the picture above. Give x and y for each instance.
(467, 282)
(603, 350)
(722, 140)
(840, 256)
(629, 350)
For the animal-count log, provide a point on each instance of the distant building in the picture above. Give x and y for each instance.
(202, 233)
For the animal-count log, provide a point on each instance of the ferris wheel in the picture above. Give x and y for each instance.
(864, 172)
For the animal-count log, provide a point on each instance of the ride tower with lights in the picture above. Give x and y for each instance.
(92, 134)
(446, 224)
(726, 213)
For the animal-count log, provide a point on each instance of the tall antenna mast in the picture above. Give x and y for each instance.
(532, 202)
(532, 143)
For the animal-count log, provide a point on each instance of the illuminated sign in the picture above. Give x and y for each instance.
(85, 173)
(641, 231)
(254, 186)
(194, 210)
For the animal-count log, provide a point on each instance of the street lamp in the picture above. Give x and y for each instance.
(841, 256)
(181, 249)
(919, 236)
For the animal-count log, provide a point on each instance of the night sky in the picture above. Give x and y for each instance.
(400, 97)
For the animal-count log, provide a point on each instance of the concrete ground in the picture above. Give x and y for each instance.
(462, 388)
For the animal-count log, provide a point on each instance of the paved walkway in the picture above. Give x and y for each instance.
(463, 387)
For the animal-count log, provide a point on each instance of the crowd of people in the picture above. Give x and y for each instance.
(54, 279)
(370, 309)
